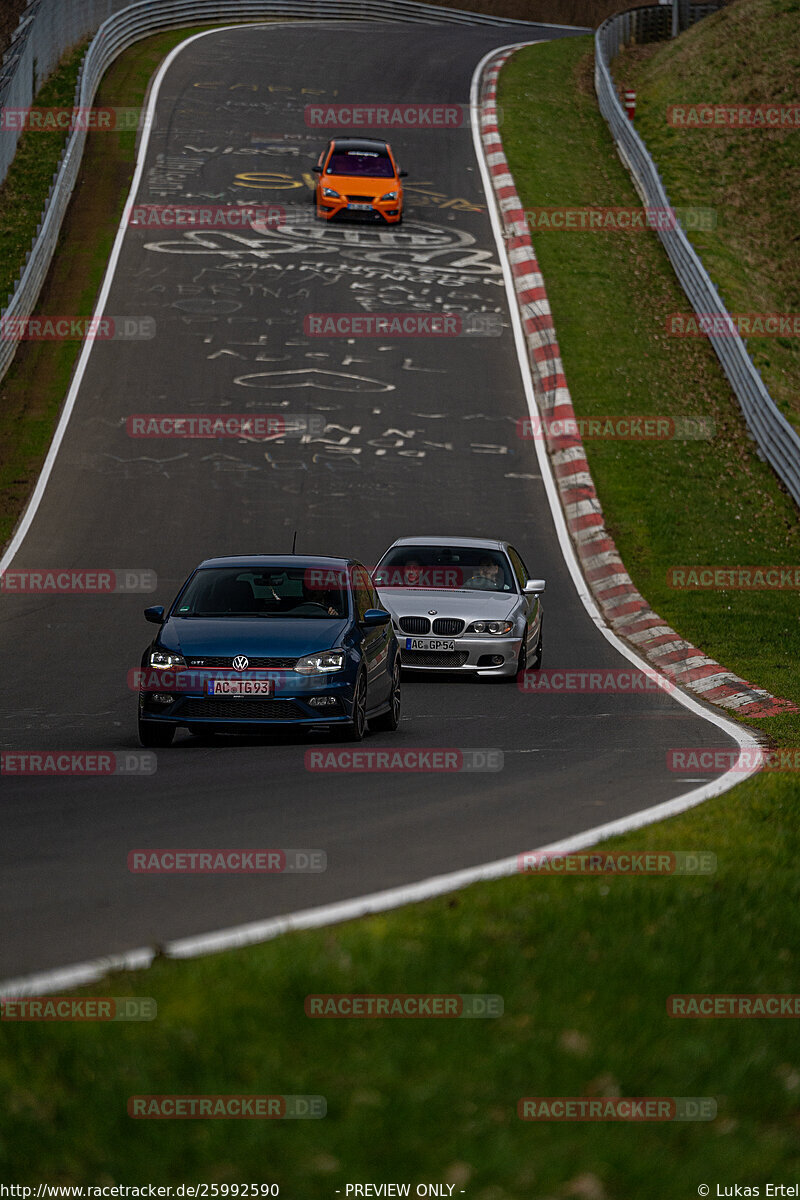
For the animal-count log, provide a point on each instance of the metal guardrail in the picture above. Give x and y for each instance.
(775, 437)
(49, 27)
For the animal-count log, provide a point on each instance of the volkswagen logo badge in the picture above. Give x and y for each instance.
(240, 663)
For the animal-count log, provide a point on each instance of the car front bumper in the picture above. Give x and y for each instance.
(389, 211)
(472, 655)
(295, 701)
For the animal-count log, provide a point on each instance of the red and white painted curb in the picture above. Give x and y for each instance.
(624, 608)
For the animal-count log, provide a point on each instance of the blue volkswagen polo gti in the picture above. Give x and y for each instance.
(260, 641)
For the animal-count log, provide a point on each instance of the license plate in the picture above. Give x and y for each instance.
(240, 687)
(359, 206)
(442, 644)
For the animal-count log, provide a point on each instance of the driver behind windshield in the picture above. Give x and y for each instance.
(487, 576)
(318, 598)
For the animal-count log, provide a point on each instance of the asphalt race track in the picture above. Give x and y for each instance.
(421, 438)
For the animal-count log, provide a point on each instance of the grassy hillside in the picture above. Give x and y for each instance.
(668, 503)
(747, 53)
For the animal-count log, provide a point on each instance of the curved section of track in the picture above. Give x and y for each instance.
(420, 436)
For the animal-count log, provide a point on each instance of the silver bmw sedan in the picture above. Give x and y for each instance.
(462, 604)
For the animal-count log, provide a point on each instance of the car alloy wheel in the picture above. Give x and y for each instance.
(358, 723)
(522, 661)
(537, 660)
(387, 722)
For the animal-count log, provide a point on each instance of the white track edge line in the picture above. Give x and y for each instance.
(742, 736)
(256, 932)
(250, 933)
(72, 395)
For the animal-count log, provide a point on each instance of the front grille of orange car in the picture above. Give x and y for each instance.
(361, 199)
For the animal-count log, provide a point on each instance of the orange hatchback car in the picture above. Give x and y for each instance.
(358, 177)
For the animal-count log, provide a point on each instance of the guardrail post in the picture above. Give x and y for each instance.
(775, 438)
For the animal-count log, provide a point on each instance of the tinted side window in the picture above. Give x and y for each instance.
(362, 593)
(373, 600)
(520, 570)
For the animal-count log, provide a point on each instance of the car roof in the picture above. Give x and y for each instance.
(356, 143)
(271, 560)
(473, 543)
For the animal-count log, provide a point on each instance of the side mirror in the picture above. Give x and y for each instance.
(402, 174)
(534, 587)
(155, 614)
(317, 170)
(376, 616)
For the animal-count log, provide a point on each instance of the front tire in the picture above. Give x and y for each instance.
(153, 735)
(537, 661)
(357, 726)
(522, 661)
(387, 722)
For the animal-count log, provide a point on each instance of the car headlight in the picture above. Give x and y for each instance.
(320, 664)
(494, 628)
(165, 660)
(334, 195)
(389, 196)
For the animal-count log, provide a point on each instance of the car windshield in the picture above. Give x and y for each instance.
(366, 164)
(302, 592)
(465, 568)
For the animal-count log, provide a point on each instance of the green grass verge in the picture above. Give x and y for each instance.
(666, 503)
(745, 54)
(584, 966)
